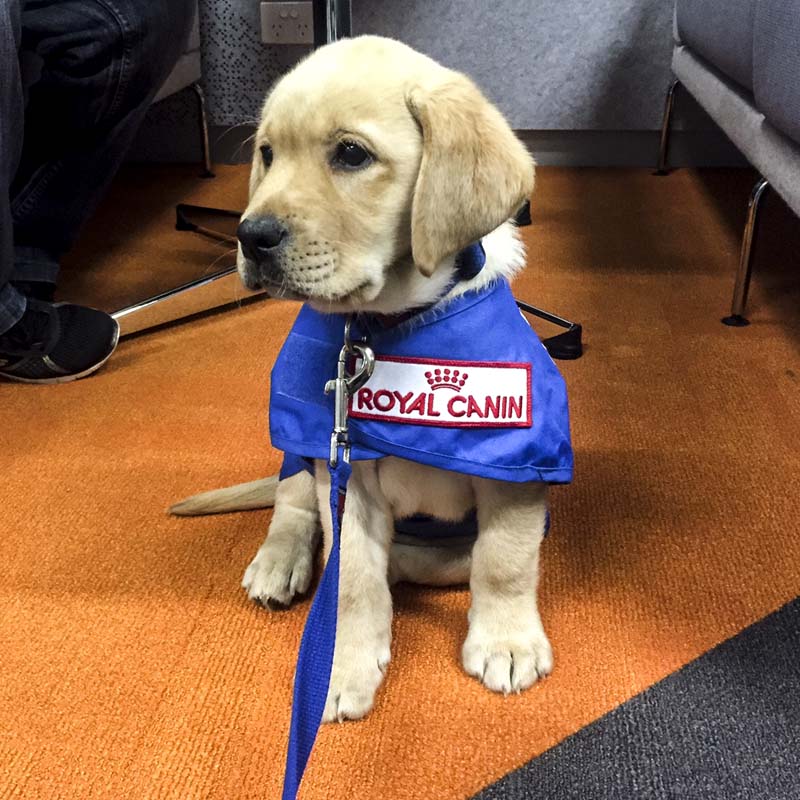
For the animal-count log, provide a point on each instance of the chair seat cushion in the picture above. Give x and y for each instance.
(771, 152)
(776, 64)
(721, 32)
(187, 71)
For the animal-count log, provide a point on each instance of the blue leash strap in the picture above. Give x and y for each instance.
(315, 659)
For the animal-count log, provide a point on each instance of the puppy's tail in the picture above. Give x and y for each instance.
(242, 497)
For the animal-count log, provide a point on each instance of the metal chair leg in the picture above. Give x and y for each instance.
(183, 221)
(332, 21)
(201, 106)
(743, 273)
(663, 148)
(203, 294)
(208, 292)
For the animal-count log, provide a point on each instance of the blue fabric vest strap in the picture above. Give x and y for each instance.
(315, 659)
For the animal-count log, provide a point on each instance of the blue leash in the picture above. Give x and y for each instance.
(315, 659)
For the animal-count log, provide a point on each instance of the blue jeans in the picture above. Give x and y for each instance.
(76, 78)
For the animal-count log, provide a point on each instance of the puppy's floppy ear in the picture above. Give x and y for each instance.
(474, 172)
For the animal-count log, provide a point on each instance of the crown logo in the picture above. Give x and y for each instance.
(446, 379)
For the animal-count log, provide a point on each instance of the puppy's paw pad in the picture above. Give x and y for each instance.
(354, 682)
(277, 574)
(510, 664)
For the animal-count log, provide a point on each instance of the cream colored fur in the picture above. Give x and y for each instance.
(447, 170)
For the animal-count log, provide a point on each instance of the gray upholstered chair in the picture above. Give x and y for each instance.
(740, 59)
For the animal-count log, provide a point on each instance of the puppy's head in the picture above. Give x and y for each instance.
(373, 167)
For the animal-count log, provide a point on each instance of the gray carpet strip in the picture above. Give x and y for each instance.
(724, 727)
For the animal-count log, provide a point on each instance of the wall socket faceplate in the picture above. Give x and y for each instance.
(287, 23)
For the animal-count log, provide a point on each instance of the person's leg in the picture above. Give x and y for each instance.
(102, 63)
(12, 303)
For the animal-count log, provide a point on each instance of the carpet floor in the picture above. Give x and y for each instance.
(131, 663)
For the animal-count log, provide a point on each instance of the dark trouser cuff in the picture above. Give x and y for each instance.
(12, 307)
(34, 264)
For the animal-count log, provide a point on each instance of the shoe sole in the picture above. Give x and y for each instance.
(73, 376)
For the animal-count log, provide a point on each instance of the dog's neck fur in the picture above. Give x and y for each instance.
(407, 288)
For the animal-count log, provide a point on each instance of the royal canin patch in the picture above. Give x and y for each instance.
(450, 394)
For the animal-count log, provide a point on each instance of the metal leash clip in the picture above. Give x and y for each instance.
(344, 386)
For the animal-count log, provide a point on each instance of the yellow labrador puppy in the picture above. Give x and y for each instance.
(373, 167)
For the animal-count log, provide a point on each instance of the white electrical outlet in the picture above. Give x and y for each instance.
(287, 23)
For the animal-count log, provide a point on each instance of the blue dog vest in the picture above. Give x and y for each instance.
(467, 386)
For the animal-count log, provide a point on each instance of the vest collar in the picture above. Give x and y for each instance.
(469, 263)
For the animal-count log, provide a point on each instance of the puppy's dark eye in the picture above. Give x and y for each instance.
(266, 155)
(351, 156)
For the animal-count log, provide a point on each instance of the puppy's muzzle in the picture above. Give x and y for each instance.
(262, 240)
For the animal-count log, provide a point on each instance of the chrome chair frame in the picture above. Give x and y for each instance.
(203, 115)
(744, 270)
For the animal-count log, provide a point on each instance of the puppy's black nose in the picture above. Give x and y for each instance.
(261, 236)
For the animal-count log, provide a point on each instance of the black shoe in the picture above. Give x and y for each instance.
(56, 343)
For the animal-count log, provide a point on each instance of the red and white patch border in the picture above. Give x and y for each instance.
(452, 364)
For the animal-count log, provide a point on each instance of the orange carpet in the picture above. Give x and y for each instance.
(132, 663)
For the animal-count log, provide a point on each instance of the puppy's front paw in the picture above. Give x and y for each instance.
(280, 570)
(507, 659)
(357, 674)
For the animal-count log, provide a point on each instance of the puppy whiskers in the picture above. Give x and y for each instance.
(244, 142)
(228, 252)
